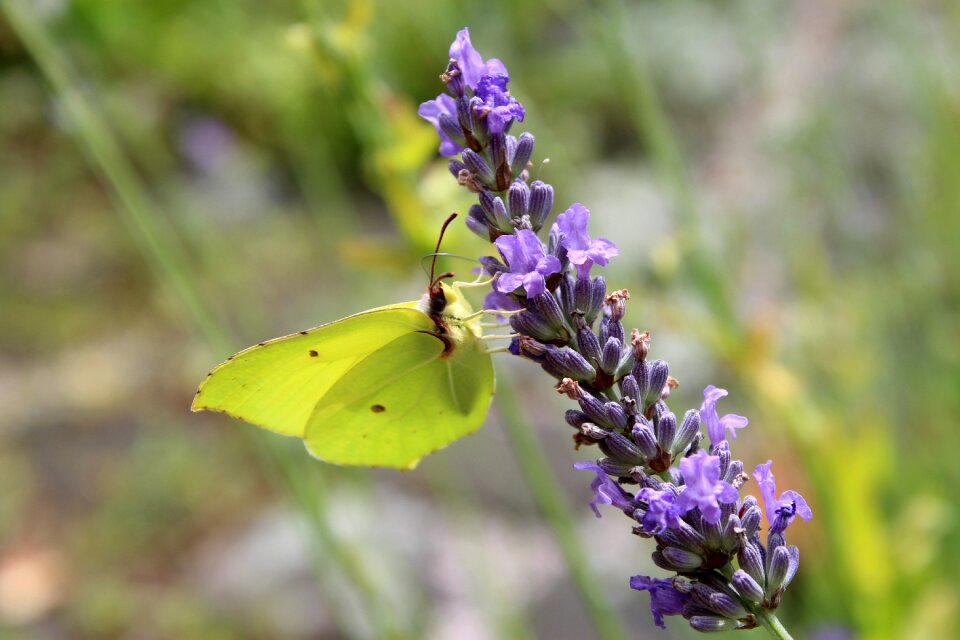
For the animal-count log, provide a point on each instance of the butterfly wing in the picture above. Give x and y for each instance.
(277, 384)
(403, 401)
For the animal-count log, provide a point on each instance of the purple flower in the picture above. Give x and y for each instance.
(716, 426)
(527, 263)
(665, 599)
(581, 250)
(662, 510)
(500, 302)
(496, 104)
(606, 490)
(780, 512)
(471, 63)
(432, 111)
(703, 487)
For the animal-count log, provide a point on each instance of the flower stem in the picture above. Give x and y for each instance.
(552, 505)
(769, 621)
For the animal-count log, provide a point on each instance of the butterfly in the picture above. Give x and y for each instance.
(382, 388)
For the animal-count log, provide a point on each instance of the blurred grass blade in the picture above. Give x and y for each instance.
(162, 250)
(552, 505)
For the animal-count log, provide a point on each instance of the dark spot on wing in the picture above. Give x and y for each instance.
(303, 333)
(260, 344)
(313, 354)
(378, 408)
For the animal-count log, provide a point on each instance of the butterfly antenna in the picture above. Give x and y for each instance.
(433, 265)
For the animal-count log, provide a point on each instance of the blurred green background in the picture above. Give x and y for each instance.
(180, 179)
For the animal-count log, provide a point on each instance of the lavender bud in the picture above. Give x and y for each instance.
(533, 325)
(615, 468)
(651, 377)
(615, 304)
(735, 474)
(661, 561)
(750, 521)
(728, 539)
(541, 201)
(465, 114)
(710, 624)
(610, 358)
(546, 305)
(712, 532)
(575, 418)
(582, 290)
(567, 363)
(746, 586)
(725, 458)
(522, 153)
(621, 449)
(629, 388)
(589, 345)
(775, 540)
(688, 429)
(598, 292)
(519, 199)
(477, 222)
(486, 197)
(490, 264)
(640, 344)
(498, 150)
(450, 127)
(794, 565)
(498, 153)
(616, 416)
(500, 216)
(689, 537)
(682, 559)
(511, 149)
(476, 164)
(717, 602)
(643, 436)
(611, 329)
(529, 348)
(479, 228)
(778, 569)
(593, 407)
(565, 292)
(666, 428)
(592, 433)
(750, 560)
(455, 167)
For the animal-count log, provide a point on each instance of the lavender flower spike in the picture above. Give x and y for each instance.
(780, 511)
(606, 490)
(471, 63)
(582, 251)
(527, 263)
(716, 426)
(703, 486)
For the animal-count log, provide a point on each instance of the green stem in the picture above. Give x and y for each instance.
(162, 250)
(769, 621)
(552, 505)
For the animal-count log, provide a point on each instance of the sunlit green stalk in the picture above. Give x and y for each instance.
(769, 621)
(637, 89)
(552, 505)
(162, 250)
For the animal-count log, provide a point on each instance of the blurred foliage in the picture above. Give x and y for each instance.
(783, 179)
